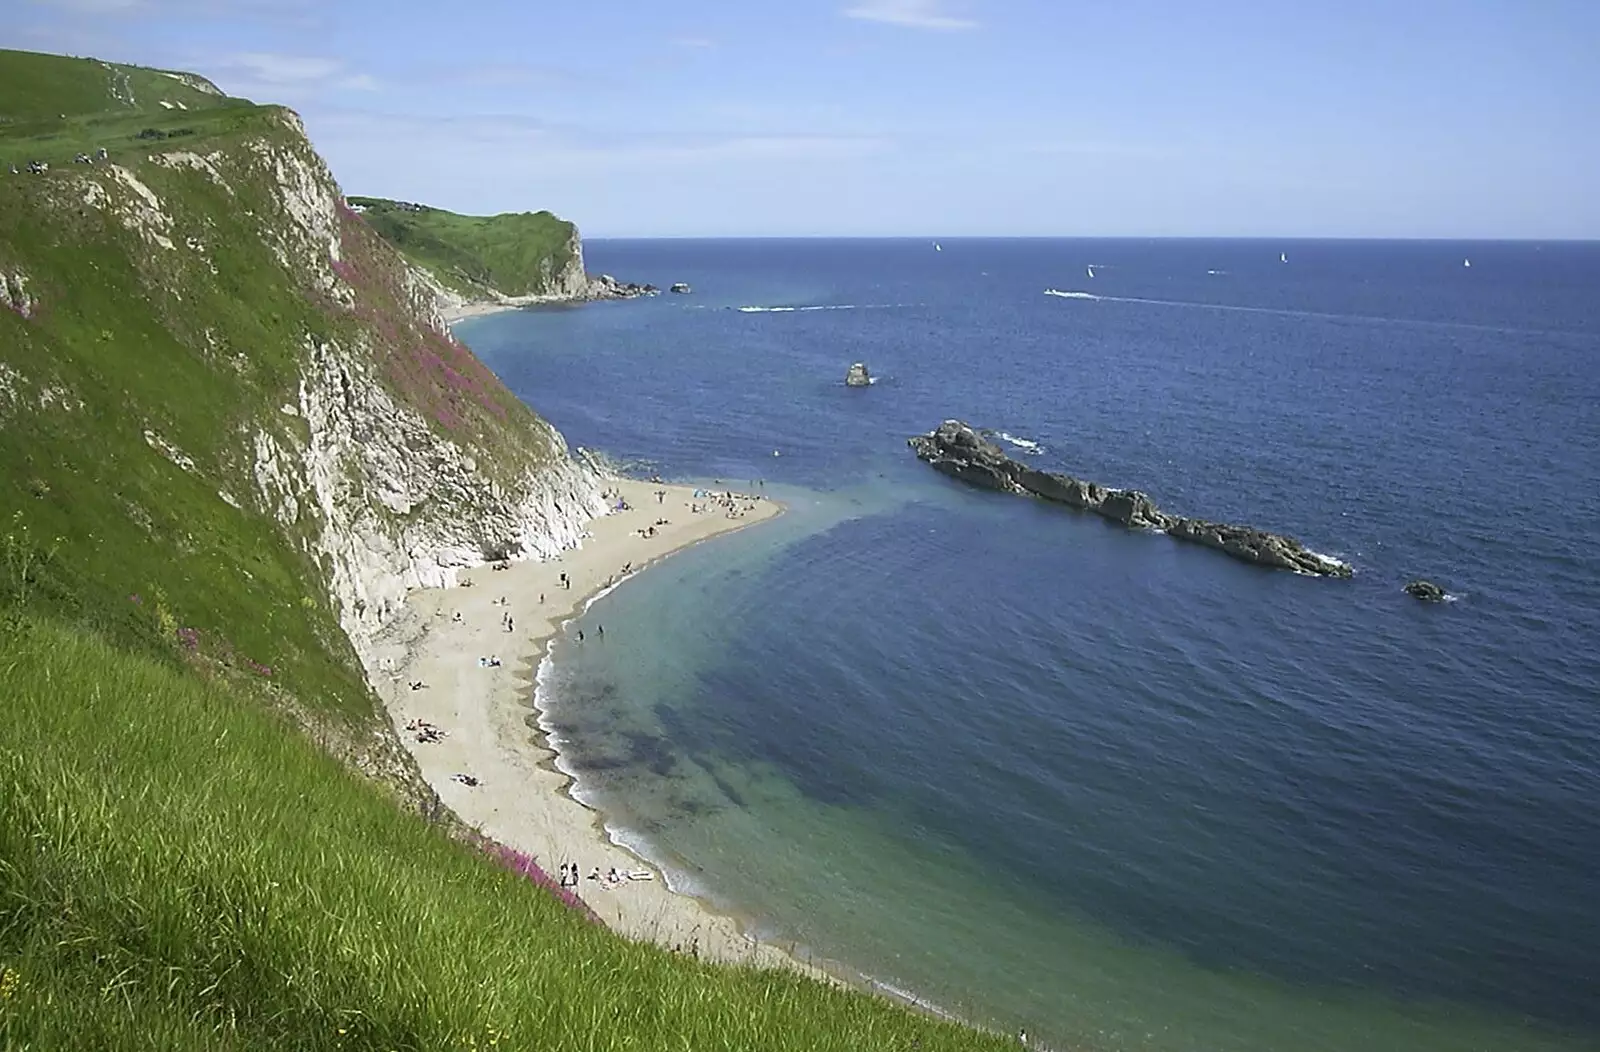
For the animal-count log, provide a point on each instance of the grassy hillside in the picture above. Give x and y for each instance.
(53, 108)
(517, 253)
(201, 878)
(182, 866)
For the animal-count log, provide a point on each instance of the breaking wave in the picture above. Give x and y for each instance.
(1072, 295)
(1027, 445)
(819, 306)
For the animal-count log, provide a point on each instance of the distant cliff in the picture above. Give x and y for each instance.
(517, 257)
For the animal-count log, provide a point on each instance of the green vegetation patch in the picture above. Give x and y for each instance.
(180, 871)
(517, 253)
(54, 108)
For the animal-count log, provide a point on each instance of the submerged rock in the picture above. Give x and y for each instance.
(858, 376)
(1426, 591)
(961, 452)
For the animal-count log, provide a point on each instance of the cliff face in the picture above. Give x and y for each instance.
(407, 469)
(219, 385)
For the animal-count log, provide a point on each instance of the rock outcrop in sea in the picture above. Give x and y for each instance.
(958, 450)
(858, 376)
(606, 287)
(1426, 591)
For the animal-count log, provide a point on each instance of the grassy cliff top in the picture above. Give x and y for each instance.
(516, 253)
(53, 108)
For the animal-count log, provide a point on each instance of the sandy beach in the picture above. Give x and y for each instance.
(520, 798)
(460, 310)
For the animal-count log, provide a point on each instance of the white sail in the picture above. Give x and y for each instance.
(1283, 257)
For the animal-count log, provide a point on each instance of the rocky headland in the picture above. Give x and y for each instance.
(960, 451)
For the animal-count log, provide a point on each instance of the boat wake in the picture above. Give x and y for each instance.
(1027, 445)
(820, 306)
(1365, 319)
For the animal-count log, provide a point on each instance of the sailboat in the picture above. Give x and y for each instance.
(1091, 270)
(1283, 257)
(1466, 262)
(938, 247)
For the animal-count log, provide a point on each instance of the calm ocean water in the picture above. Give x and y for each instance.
(1042, 772)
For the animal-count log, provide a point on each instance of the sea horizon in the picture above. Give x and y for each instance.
(1225, 238)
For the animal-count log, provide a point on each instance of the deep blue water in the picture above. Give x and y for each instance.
(1127, 792)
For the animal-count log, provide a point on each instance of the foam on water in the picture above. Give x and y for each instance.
(819, 306)
(1027, 445)
(1327, 315)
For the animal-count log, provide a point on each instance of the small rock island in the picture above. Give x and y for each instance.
(961, 452)
(858, 376)
(681, 287)
(1426, 591)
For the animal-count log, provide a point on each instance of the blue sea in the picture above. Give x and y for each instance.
(1041, 772)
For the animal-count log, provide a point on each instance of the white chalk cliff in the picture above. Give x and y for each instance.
(386, 487)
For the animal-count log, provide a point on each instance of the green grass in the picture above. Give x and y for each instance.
(40, 86)
(53, 108)
(516, 253)
(179, 871)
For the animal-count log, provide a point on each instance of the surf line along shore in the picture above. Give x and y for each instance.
(520, 798)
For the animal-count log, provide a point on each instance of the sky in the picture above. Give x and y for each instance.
(1163, 118)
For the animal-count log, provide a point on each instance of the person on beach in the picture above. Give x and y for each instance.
(580, 635)
(600, 630)
(511, 624)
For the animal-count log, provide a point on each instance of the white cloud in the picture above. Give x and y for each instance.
(917, 14)
(271, 77)
(93, 7)
(270, 11)
(496, 163)
(282, 69)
